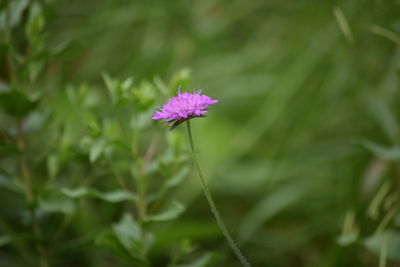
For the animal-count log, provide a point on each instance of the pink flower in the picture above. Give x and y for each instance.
(183, 107)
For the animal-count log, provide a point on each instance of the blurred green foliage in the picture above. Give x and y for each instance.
(302, 151)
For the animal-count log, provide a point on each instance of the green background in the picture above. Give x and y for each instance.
(301, 153)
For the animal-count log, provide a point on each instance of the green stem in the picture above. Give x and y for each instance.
(27, 181)
(211, 202)
(141, 203)
(8, 41)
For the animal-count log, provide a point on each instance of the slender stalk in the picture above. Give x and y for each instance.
(141, 190)
(142, 183)
(120, 180)
(141, 203)
(8, 41)
(142, 176)
(44, 262)
(211, 202)
(383, 252)
(150, 152)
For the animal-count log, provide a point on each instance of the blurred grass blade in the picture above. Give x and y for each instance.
(392, 36)
(266, 208)
(343, 24)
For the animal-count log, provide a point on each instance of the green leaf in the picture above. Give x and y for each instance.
(170, 213)
(16, 8)
(144, 96)
(347, 239)
(202, 261)
(35, 121)
(350, 232)
(390, 239)
(35, 67)
(62, 49)
(388, 153)
(176, 124)
(112, 196)
(79, 96)
(107, 239)
(178, 177)
(75, 193)
(4, 240)
(141, 121)
(96, 149)
(115, 196)
(127, 83)
(52, 165)
(120, 91)
(16, 104)
(384, 116)
(110, 84)
(35, 23)
(57, 204)
(110, 240)
(128, 233)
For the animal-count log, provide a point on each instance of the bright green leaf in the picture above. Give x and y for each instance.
(112, 196)
(16, 8)
(388, 153)
(52, 165)
(96, 149)
(115, 196)
(390, 239)
(172, 212)
(75, 193)
(202, 261)
(144, 96)
(57, 204)
(178, 177)
(35, 23)
(128, 232)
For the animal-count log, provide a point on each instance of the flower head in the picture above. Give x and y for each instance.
(183, 107)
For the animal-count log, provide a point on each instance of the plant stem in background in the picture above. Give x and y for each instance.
(142, 183)
(25, 171)
(141, 203)
(211, 202)
(8, 41)
(29, 196)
